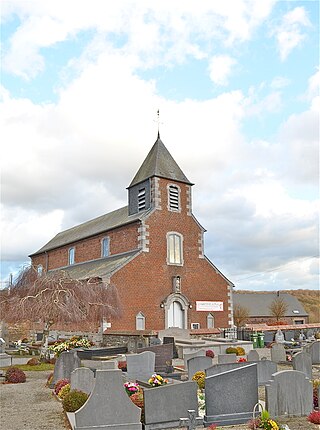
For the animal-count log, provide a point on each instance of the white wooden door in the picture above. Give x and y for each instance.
(175, 315)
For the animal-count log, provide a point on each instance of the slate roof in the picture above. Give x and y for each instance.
(98, 268)
(258, 303)
(159, 162)
(95, 226)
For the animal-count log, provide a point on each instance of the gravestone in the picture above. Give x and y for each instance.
(231, 396)
(199, 353)
(314, 351)
(191, 422)
(170, 339)
(302, 362)
(253, 355)
(196, 364)
(163, 358)
(165, 405)
(227, 358)
(140, 365)
(100, 364)
(82, 379)
(265, 369)
(279, 336)
(5, 359)
(108, 407)
(289, 392)
(278, 353)
(65, 364)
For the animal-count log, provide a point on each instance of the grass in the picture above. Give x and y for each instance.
(37, 368)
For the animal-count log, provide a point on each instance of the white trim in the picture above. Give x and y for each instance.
(142, 318)
(174, 233)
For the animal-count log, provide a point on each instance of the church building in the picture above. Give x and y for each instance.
(152, 251)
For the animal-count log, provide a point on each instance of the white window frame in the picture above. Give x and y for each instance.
(140, 318)
(174, 248)
(195, 326)
(210, 320)
(40, 270)
(71, 255)
(103, 241)
(174, 203)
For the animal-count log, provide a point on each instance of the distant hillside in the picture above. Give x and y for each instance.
(310, 300)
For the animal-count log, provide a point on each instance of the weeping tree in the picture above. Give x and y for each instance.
(56, 298)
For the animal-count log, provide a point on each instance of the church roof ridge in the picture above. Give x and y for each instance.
(159, 162)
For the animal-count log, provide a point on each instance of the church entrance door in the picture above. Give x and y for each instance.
(176, 315)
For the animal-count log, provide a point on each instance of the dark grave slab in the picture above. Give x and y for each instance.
(170, 339)
(66, 363)
(163, 358)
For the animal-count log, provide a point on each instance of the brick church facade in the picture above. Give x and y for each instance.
(152, 251)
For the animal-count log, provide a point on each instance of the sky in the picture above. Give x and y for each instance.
(237, 87)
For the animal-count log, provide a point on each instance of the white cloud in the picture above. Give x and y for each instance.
(220, 68)
(289, 33)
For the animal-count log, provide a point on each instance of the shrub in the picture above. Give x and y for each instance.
(210, 353)
(314, 417)
(61, 383)
(137, 399)
(231, 350)
(64, 391)
(33, 362)
(240, 350)
(199, 377)
(74, 400)
(15, 375)
(242, 360)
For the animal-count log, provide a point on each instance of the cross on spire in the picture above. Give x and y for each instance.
(158, 122)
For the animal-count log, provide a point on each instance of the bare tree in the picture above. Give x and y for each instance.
(278, 308)
(57, 298)
(240, 315)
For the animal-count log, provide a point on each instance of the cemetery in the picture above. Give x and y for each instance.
(155, 388)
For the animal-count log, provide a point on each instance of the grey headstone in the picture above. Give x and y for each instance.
(289, 392)
(199, 353)
(109, 406)
(140, 364)
(278, 353)
(265, 369)
(314, 350)
(163, 358)
(302, 362)
(231, 396)
(227, 358)
(100, 364)
(82, 379)
(5, 359)
(253, 355)
(196, 364)
(164, 406)
(65, 364)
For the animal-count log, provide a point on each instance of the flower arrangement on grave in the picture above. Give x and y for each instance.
(74, 400)
(315, 384)
(201, 402)
(137, 399)
(199, 377)
(64, 391)
(314, 417)
(240, 350)
(131, 388)
(231, 350)
(122, 365)
(157, 380)
(264, 422)
(209, 353)
(241, 360)
(67, 345)
(59, 384)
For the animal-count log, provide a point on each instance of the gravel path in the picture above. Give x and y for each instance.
(30, 406)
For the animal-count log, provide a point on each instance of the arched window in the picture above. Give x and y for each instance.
(174, 248)
(40, 270)
(71, 256)
(140, 321)
(105, 247)
(210, 321)
(174, 198)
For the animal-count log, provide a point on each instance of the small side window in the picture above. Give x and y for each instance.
(40, 270)
(210, 321)
(140, 321)
(71, 256)
(105, 247)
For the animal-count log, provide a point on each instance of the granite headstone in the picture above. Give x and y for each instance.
(302, 362)
(66, 363)
(82, 379)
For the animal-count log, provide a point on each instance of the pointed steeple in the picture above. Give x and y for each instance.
(159, 162)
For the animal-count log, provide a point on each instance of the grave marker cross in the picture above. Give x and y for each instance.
(191, 422)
